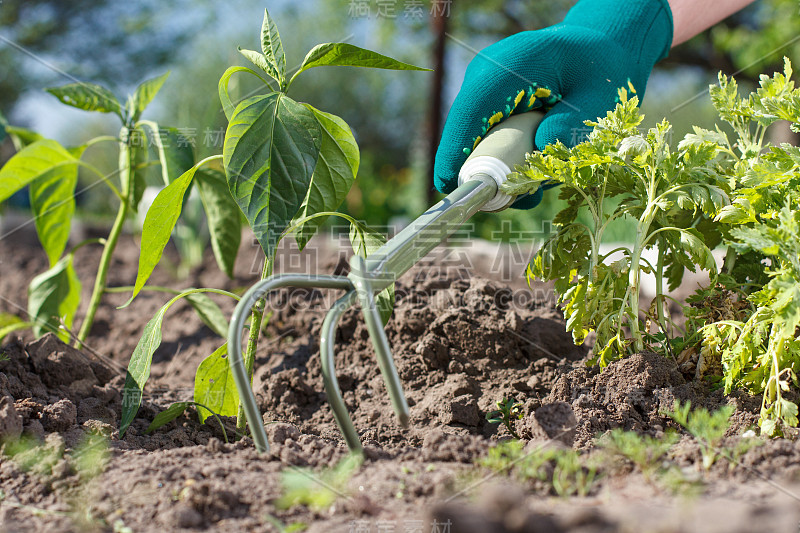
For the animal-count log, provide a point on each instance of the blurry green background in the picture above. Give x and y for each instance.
(117, 44)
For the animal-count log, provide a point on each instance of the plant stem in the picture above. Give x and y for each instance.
(730, 260)
(662, 322)
(633, 280)
(256, 317)
(126, 177)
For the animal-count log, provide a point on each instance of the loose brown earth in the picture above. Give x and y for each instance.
(461, 342)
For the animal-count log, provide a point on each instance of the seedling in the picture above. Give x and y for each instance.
(644, 451)
(288, 166)
(564, 471)
(573, 474)
(707, 428)
(317, 491)
(177, 409)
(508, 410)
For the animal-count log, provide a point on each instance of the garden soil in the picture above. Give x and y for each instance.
(463, 337)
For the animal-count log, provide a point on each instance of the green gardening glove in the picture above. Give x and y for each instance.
(572, 70)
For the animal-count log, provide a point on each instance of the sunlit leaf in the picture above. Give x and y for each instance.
(53, 297)
(271, 149)
(333, 176)
(89, 97)
(215, 387)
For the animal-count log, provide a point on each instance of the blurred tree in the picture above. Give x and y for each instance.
(113, 43)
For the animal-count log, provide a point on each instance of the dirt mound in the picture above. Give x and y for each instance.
(51, 387)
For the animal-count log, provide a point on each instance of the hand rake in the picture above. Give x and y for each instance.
(486, 168)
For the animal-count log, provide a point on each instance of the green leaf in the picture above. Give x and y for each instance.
(224, 218)
(271, 149)
(7, 319)
(167, 415)
(30, 163)
(333, 176)
(348, 55)
(214, 386)
(10, 323)
(89, 97)
(53, 204)
(210, 313)
(22, 137)
(54, 295)
(144, 94)
(141, 361)
(139, 368)
(261, 62)
(175, 151)
(364, 242)
(157, 228)
(222, 87)
(273, 48)
(10, 328)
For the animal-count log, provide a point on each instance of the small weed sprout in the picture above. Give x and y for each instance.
(706, 427)
(508, 410)
(301, 486)
(644, 451)
(573, 474)
(564, 472)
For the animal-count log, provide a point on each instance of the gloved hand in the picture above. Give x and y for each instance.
(572, 70)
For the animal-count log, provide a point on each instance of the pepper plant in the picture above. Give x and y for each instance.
(50, 171)
(287, 166)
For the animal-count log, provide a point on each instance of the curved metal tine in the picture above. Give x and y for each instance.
(379, 341)
(332, 390)
(236, 361)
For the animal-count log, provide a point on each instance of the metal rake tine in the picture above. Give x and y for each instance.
(361, 281)
(332, 390)
(235, 359)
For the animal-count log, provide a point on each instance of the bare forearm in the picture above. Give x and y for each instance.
(690, 17)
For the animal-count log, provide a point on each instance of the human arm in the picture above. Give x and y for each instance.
(572, 70)
(691, 17)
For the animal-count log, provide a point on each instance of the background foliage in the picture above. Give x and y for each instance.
(390, 114)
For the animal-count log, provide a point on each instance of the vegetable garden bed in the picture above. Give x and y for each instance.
(458, 350)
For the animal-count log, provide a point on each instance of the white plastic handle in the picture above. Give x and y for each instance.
(503, 149)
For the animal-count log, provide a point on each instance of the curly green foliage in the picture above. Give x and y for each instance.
(672, 195)
(762, 351)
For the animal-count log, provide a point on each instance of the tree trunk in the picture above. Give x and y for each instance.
(439, 21)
